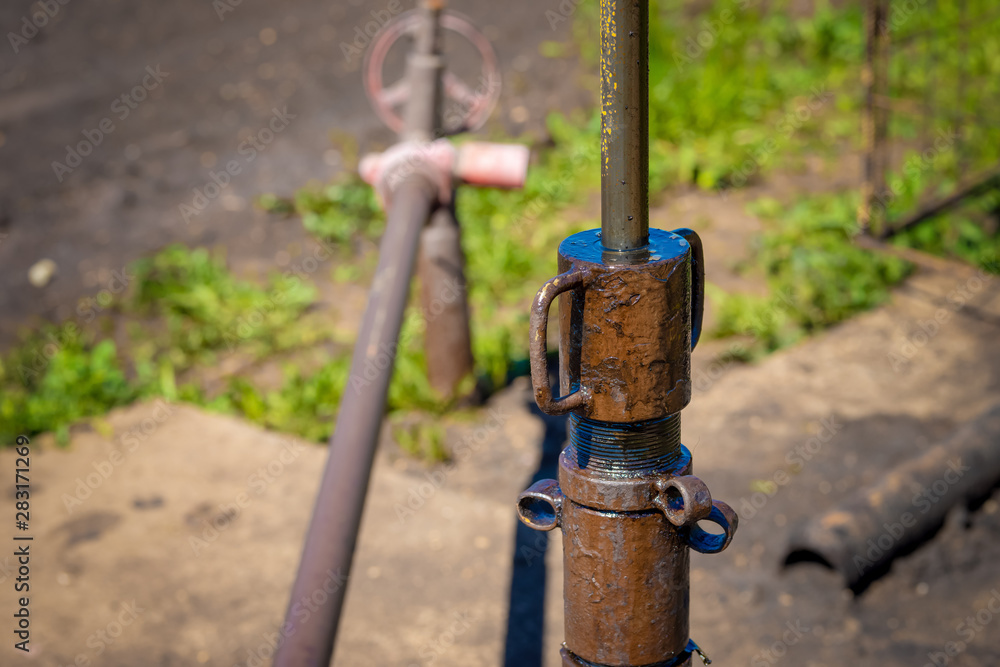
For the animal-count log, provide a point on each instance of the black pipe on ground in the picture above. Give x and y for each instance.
(860, 537)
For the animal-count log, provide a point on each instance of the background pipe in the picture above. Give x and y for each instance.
(444, 299)
(333, 530)
(860, 536)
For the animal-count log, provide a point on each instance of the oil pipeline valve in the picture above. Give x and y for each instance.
(416, 180)
(428, 104)
(630, 304)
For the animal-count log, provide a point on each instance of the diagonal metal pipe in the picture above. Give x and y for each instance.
(329, 549)
(416, 181)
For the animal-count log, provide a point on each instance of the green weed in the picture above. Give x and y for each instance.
(57, 378)
(816, 274)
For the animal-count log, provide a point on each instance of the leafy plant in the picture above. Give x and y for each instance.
(57, 378)
(207, 309)
(816, 274)
(338, 212)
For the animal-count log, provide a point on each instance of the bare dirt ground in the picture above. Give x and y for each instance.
(220, 80)
(181, 550)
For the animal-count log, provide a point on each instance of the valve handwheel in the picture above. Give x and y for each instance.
(475, 106)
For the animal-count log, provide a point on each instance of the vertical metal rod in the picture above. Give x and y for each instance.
(884, 54)
(441, 268)
(329, 549)
(624, 124)
(929, 66)
(963, 49)
(868, 119)
(424, 69)
(871, 211)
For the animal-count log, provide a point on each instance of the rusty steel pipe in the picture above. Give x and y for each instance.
(415, 181)
(860, 536)
(630, 307)
(317, 598)
(625, 499)
(424, 69)
(441, 262)
(445, 303)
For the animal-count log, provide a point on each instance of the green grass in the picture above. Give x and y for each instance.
(816, 275)
(184, 311)
(56, 378)
(206, 309)
(732, 89)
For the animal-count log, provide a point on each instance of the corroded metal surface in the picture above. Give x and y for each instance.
(621, 476)
(445, 304)
(626, 501)
(629, 330)
(630, 307)
(625, 586)
(625, 330)
(860, 536)
(333, 529)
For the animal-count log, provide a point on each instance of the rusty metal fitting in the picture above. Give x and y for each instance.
(434, 160)
(540, 506)
(475, 163)
(630, 311)
(726, 519)
(616, 467)
(626, 574)
(684, 500)
(445, 305)
(629, 510)
(626, 330)
(626, 501)
(631, 449)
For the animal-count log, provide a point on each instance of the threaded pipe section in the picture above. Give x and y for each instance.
(625, 449)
